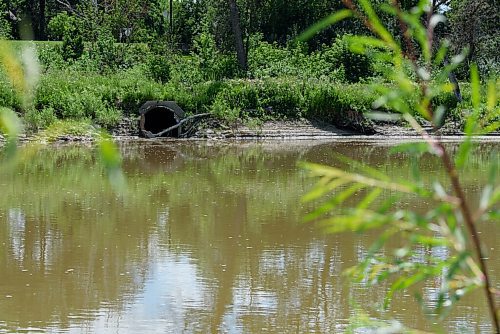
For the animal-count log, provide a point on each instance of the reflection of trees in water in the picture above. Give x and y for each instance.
(228, 215)
(59, 274)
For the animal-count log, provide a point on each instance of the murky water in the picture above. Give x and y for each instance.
(208, 238)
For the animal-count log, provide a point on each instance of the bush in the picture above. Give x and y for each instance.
(60, 128)
(222, 110)
(105, 53)
(92, 98)
(60, 26)
(333, 63)
(185, 71)
(72, 46)
(342, 105)
(40, 119)
(213, 64)
(5, 29)
(50, 56)
(8, 97)
(283, 97)
(107, 117)
(355, 66)
(158, 62)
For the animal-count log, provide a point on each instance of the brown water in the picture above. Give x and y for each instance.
(207, 238)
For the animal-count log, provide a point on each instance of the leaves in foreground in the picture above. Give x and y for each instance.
(112, 161)
(358, 202)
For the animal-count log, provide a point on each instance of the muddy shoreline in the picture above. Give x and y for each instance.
(275, 130)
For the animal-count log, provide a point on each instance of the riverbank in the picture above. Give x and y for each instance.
(287, 130)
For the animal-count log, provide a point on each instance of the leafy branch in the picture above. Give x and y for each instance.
(451, 223)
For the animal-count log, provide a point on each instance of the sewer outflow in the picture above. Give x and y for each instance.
(156, 116)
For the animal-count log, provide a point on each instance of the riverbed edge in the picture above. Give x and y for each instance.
(301, 129)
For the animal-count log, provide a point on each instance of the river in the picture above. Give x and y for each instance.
(206, 237)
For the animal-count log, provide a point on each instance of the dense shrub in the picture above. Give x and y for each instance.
(5, 29)
(356, 66)
(333, 102)
(79, 90)
(8, 97)
(158, 62)
(50, 56)
(213, 64)
(335, 62)
(76, 98)
(72, 45)
(283, 98)
(40, 119)
(61, 25)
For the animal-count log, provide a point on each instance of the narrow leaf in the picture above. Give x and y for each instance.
(325, 23)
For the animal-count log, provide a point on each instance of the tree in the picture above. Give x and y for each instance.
(238, 37)
(5, 29)
(474, 26)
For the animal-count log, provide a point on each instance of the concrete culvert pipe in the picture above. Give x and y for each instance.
(156, 116)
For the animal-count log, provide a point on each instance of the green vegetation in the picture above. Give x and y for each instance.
(450, 222)
(101, 60)
(293, 84)
(246, 60)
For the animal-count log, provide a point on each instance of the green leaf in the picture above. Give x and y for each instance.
(381, 241)
(333, 202)
(475, 86)
(402, 283)
(325, 23)
(332, 172)
(323, 188)
(471, 123)
(463, 152)
(441, 52)
(455, 264)
(354, 164)
(413, 148)
(111, 158)
(493, 215)
(369, 199)
(377, 25)
(361, 44)
(10, 126)
(429, 241)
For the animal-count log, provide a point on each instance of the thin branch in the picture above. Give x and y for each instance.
(464, 207)
(447, 161)
(476, 242)
(149, 134)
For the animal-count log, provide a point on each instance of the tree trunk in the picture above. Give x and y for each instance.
(238, 37)
(171, 17)
(41, 23)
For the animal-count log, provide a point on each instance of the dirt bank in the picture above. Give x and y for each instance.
(301, 129)
(285, 129)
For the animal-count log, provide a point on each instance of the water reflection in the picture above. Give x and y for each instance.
(207, 238)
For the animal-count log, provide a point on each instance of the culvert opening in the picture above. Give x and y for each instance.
(161, 118)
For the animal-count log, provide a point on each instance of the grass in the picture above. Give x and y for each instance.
(66, 128)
